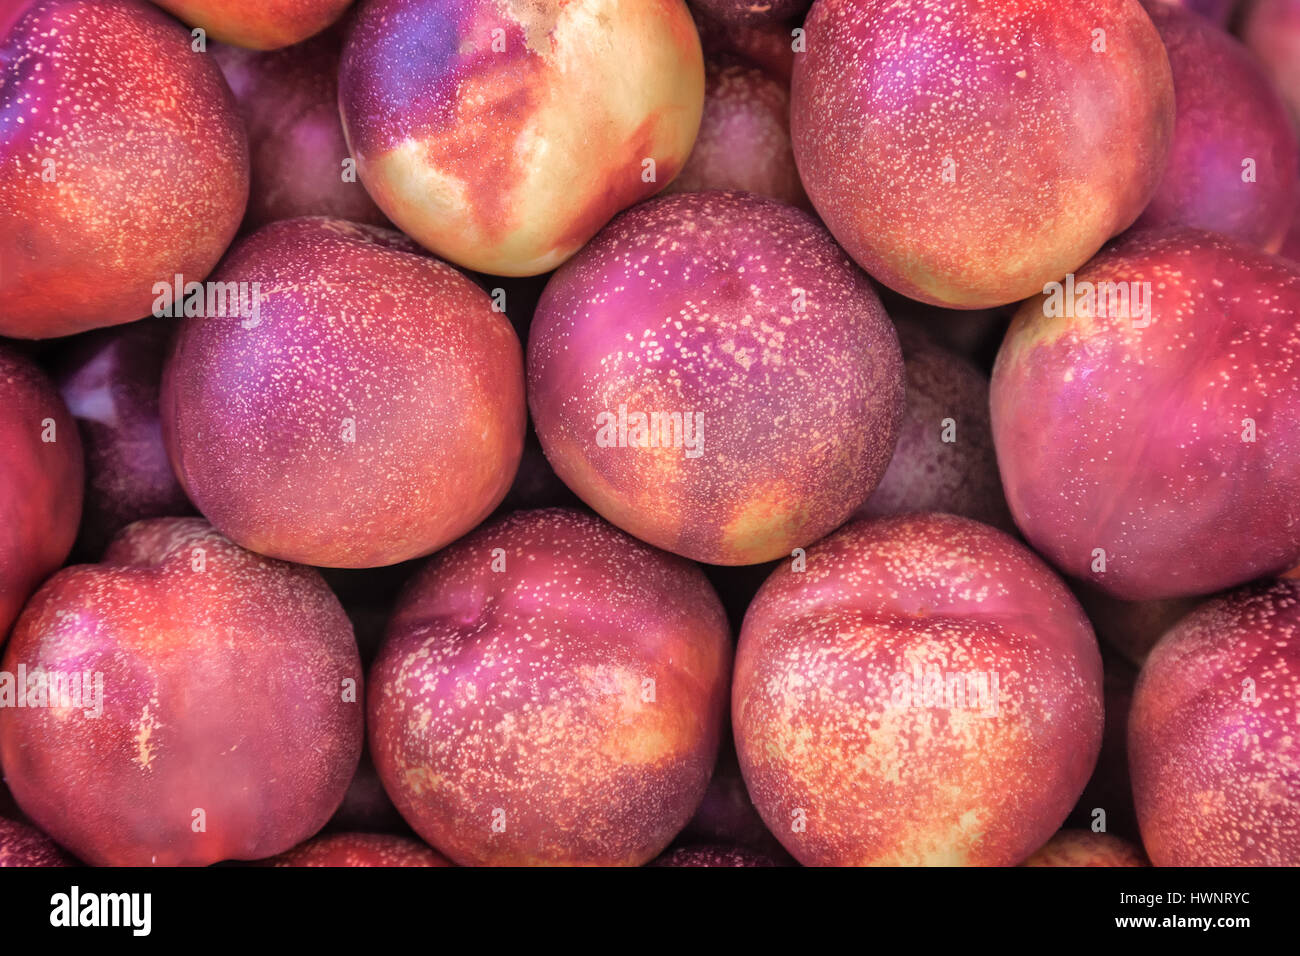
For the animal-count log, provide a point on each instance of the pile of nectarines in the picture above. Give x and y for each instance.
(672, 432)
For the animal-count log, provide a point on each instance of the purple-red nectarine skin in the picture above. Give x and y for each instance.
(744, 138)
(740, 315)
(1132, 627)
(289, 102)
(230, 685)
(493, 132)
(769, 46)
(122, 163)
(944, 459)
(1271, 29)
(372, 413)
(713, 855)
(110, 379)
(360, 849)
(1235, 163)
(751, 12)
(1086, 848)
(967, 152)
(849, 764)
(1212, 734)
(1217, 11)
(258, 24)
(21, 845)
(1291, 246)
(41, 481)
(1158, 460)
(565, 709)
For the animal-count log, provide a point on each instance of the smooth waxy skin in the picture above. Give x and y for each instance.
(740, 311)
(506, 159)
(289, 102)
(109, 379)
(903, 116)
(373, 413)
(944, 459)
(1229, 116)
(520, 696)
(1138, 441)
(1291, 247)
(1271, 29)
(1212, 741)
(121, 164)
(41, 482)
(258, 24)
(360, 849)
(744, 138)
(1085, 848)
(231, 684)
(827, 742)
(21, 845)
(1217, 11)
